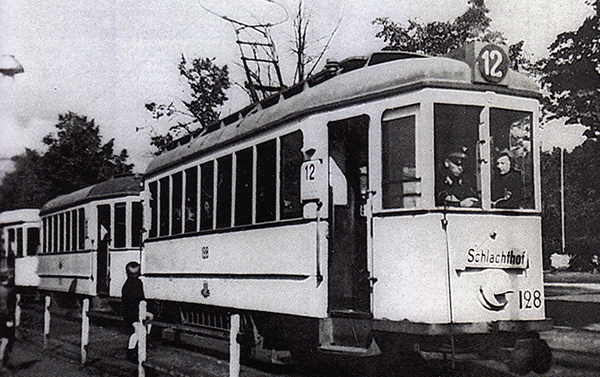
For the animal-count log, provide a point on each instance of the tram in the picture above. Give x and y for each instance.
(330, 215)
(88, 236)
(20, 239)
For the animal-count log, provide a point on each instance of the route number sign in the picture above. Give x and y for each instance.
(492, 62)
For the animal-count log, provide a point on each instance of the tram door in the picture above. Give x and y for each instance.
(103, 241)
(349, 289)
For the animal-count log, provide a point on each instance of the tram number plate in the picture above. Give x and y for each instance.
(530, 299)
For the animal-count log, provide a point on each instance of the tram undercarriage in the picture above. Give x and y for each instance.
(281, 339)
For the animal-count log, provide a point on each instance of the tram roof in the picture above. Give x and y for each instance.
(19, 216)
(111, 188)
(353, 80)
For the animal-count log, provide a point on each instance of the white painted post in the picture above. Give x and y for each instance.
(141, 336)
(17, 313)
(46, 321)
(234, 346)
(85, 329)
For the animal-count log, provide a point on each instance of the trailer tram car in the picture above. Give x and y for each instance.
(319, 213)
(20, 238)
(88, 236)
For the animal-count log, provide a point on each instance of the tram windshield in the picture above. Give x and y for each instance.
(462, 171)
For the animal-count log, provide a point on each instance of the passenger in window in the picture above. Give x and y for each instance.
(507, 189)
(454, 189)
(206, 213)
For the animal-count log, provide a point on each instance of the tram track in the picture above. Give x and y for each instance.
(573, 350)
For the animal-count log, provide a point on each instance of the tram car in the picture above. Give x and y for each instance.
(358, 212)
(88, 236)
(20, 239)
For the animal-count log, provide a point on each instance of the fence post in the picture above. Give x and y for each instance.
(234, 346)
(46, 321)
(141, 336)
(85, 329)
(17, 313)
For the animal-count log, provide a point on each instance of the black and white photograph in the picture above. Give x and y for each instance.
(299, 188)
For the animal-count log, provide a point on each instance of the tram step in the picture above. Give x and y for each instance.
(373, 349)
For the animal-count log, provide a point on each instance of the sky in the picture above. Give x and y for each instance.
(105, 59)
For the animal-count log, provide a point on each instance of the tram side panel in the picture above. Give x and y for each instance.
(496, 268)
(269, 269)
(26, 272)
(68, 272)
(410, 267)
(412, 259)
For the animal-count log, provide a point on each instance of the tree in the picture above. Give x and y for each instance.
(439, 37)
(582, 200)
(208, 83)
(571, 75)
(75, 158)
(308, 53)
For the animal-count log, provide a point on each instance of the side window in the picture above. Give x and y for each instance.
(61, 234)
(512, 167)
(120, 226)
(45, 227)
(243, 186)
(74, 229)
(291, 161)
(68, 231)
(191, 199)
(458, 182)
(19, 242)
(137, 221)
(224, 191)
(50, 235)
(177, 202)
(81, 228)
(164, 206)
(55, 233)
(33, 240)
(11, 241)
(153, 187)
(400, 184)
(206, 195)
(265, 181)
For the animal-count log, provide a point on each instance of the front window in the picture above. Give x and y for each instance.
(458, 179)
(483, 156)
(512, 177)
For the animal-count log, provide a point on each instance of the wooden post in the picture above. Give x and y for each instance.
(18, 310)
(17, 314)
(234, 346)
(141, 336)
(85, 329)
(46, 321)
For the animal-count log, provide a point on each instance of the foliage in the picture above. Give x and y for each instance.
(439, 37)
(571, 75)
(75, 158)
(582, 198)
(208, 83)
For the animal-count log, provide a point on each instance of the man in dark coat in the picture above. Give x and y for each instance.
(453, 188)
(131, 295)
(507, 189)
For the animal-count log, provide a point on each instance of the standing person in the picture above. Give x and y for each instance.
(7, 320)
(453, 188)
(507, 189)
(131, 295)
